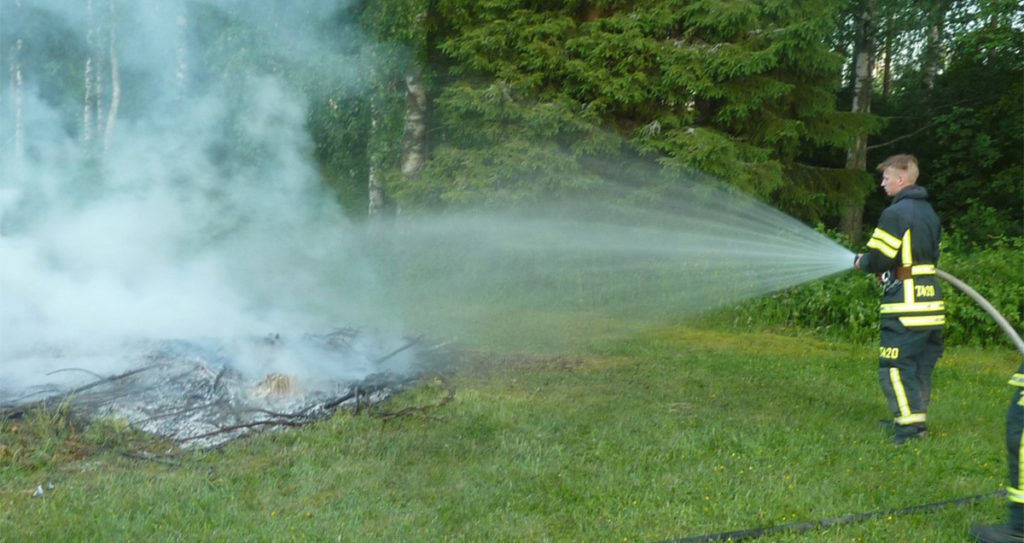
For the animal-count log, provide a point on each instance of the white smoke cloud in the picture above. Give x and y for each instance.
(205, 216)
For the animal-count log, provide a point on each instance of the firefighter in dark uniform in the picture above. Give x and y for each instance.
(1013, 532)
(903, 252)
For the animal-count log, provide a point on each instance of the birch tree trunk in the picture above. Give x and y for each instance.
(98, 89)
(414, 131)
(856, 157)
(887, 62)
(181, 68)
(88, 113)
(95, 117)
(414, 138)
(17, 80)
(115, 79)
(375, 179)
(934, 48)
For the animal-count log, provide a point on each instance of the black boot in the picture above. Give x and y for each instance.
(997, 533)
(906, 433)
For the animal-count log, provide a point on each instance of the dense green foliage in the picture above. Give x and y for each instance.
(523, 95)
(846, 305)
(668, 434)
(533, 90)
(997, 273)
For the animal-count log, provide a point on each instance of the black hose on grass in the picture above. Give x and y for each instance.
(796, 527)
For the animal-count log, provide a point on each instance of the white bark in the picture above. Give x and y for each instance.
(181, 72)
(89, 112)
(934, 53)
(18, 90)
(863, 68)
(930, 66)
(98, 88)
(414, 141)
(115, 81)
(374, 181)
(19, 98)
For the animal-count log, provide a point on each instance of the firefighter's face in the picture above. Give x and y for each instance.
(892, 181)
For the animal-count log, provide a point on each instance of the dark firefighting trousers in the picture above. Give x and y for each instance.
(1015, 450)
(906, 362)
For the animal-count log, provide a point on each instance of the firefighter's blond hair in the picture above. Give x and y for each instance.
(906, 163)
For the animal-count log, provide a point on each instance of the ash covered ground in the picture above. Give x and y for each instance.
(201, 394)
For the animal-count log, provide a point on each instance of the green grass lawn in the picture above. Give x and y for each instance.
(666, 434)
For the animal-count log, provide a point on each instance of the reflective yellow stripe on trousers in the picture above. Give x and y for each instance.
(906, 417)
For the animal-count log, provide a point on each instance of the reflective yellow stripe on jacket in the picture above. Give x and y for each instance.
(1017, 380)
(923, 269)
(929, 320)
(914, 307)
(919, 317)
(884, 242)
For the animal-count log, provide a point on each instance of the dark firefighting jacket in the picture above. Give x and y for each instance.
(904, 250)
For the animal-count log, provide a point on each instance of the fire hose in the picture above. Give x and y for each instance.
(980, 300)
(797, 527)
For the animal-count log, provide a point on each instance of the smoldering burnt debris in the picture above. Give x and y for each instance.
(195, 394)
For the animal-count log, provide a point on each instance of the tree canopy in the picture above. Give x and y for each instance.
(515, 101)
(525, 95)
(742, 91)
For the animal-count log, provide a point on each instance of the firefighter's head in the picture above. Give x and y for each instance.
(898, 173)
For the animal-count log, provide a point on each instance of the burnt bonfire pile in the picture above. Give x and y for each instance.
(203, 394)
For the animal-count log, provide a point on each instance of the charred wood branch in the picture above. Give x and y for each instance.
(341, 399)
(106, 380)
(244, 426)
(12, 413)
(83, 370)
(191, 394)
(405, 347)
(157, 415)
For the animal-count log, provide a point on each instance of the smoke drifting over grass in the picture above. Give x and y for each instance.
(198, 211)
